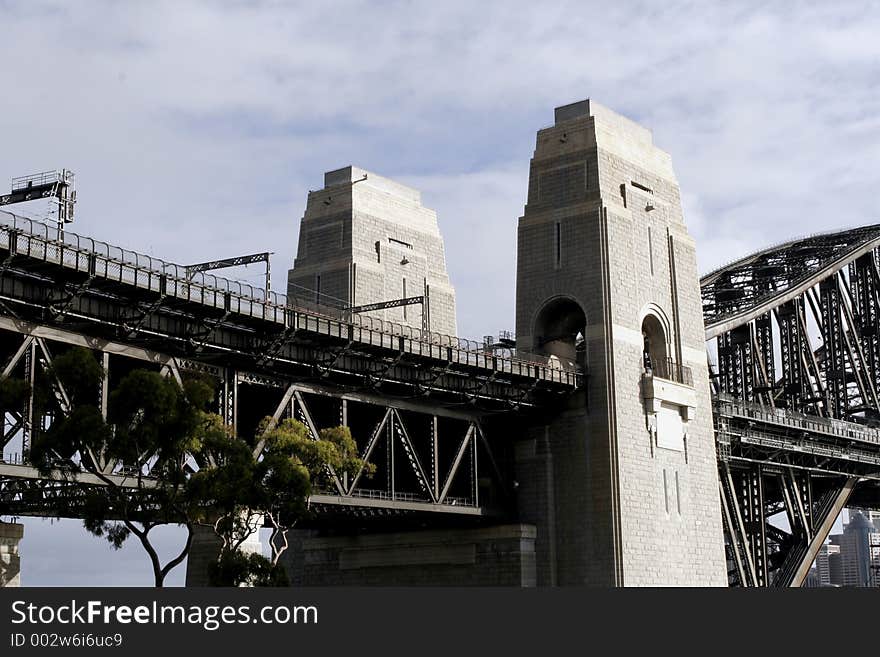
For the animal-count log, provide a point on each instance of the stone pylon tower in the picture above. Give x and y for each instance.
(622, 485)
(365, 239)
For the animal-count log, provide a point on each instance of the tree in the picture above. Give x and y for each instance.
(272, 485)
(153, 427)
(293, 464)
(13, 393)
(235, 568)
(160, 457)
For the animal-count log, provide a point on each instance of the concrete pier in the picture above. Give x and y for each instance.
(10, 560)
(503, 555)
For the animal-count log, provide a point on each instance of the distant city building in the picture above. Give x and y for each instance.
(828, 565)
(813, 581)
(856, 559)
(870, 514)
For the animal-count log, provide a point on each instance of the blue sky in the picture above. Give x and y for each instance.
(197, 128)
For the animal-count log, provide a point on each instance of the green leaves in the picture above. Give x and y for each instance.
(151, 416)
(274, 485)
(13, 393)
(238, 568)
(82, 430)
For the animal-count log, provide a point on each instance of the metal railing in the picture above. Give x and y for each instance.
(666, 368)
(397, 496)
(729, 405)
(35, 239)
(37, 179)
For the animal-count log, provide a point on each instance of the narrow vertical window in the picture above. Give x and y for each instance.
(665, 490)
(677, 494)
(651, 250)
(317, 288)
(558, 244)
(404, 296)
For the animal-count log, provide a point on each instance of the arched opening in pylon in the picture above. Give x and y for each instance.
(559, 330)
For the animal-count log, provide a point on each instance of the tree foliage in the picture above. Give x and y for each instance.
(13, 393)
(236, 568)
(152, 426)
(248, 487)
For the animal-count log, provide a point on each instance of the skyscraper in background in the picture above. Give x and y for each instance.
(853, 557)
(859, 551)
(828, 565)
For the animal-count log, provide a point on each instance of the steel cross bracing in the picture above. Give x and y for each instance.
(795, 333)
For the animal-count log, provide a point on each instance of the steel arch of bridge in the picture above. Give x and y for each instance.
(796, 333)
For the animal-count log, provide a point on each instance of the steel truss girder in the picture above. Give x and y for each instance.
(395, 432)
(131, 309)
(434, 499)
(762, 553)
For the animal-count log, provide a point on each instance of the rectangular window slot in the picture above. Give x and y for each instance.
(651, 250)
(642, 187)
(558, 244)
(317, 288)
(400, 242)
(404, 296)
(665, 490)
(677, 494)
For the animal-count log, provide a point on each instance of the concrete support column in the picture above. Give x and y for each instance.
(204, 551)
(536, 501)
(10, 561)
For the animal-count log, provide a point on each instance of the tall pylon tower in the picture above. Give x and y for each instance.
(622, 485)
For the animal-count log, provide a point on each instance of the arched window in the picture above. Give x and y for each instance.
(654, 352)
(559, 332)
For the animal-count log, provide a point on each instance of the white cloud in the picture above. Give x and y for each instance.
(196, 128)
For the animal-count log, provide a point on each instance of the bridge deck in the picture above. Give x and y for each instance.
(750, 432)
(26, 491)
(142, 297)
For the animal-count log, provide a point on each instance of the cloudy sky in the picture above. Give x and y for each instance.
(196, 129)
